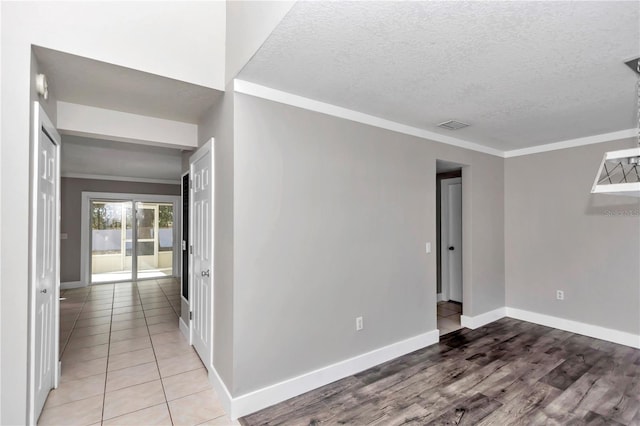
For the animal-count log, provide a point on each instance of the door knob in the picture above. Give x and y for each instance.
(44, 290)
(205, 273)
(451, 248)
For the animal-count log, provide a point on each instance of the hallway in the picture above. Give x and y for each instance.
(125, 361)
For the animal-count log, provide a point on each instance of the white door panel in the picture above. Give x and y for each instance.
(44, 263)
(455, 242)
(451, 238)
(201, 224)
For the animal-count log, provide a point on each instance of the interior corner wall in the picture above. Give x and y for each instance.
(71, 214)
(185, 161)
(218, 123)
(559, 236)
(248, 25)
(19, 68)
(331, 220)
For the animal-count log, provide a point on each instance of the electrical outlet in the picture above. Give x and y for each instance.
(559, 294)
(359, 324)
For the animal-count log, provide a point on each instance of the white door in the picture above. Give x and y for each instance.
(454, 247)
(201, 233)
(44, 262)
(451, 238)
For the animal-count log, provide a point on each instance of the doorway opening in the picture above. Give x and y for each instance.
(449, 245)
(129, 237)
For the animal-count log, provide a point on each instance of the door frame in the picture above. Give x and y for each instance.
(444, 235)
(85, 235)
(185, 326)
(41, 120)
(200, 152)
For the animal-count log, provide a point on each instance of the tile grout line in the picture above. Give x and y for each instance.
(153, 349)
(73, 328)
(88, 299)
(106, 368)
(166, 297)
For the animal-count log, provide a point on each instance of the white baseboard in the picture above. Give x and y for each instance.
(224, 396)
(270, 395)
(608, 334)
(71, 284)
(595, 331)
(482, 319)
(441, 297)
(254, 401)
(184, 328)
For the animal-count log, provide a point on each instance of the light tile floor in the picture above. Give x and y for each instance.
(449, 317)
(125, 361)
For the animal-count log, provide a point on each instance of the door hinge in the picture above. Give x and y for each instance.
(190, 249)
(190, 315)
(190, 183)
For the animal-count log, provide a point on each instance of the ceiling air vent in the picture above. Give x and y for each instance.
(453, 125)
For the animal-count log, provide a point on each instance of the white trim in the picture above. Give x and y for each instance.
(184, 328)
(72, 284)
(223, 394)
(259, 91)
(441, 298)
(590, 330)
(120, 178)
(267, 396)
(270, 395)
(595, 331)
(482, 319)
(252, 89)
(572, 143)
(85, 270)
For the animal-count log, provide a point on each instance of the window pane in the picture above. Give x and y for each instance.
(108, 257)
(145, 248)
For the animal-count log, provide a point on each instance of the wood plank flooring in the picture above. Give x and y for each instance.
(509, 372)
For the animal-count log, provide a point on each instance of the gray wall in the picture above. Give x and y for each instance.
(561, 237)
(218, 122)
(71, 214)
(331, 220)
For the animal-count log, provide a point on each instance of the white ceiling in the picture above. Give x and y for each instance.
(94, 157)
(85, 81)
(521, 73)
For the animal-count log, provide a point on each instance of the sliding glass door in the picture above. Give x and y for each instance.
(124, 248)
(155, 239)
(111, 232)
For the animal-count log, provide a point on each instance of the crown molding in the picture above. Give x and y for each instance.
(572, 143)
(253, 89)
(263, 92)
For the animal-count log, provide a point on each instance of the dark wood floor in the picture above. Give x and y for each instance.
(508, 373)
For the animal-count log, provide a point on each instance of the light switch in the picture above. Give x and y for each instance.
(428, 247)
(63, 236)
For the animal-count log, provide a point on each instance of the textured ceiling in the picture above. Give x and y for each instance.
(521, 73)
(88, 82)
(88, 156)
